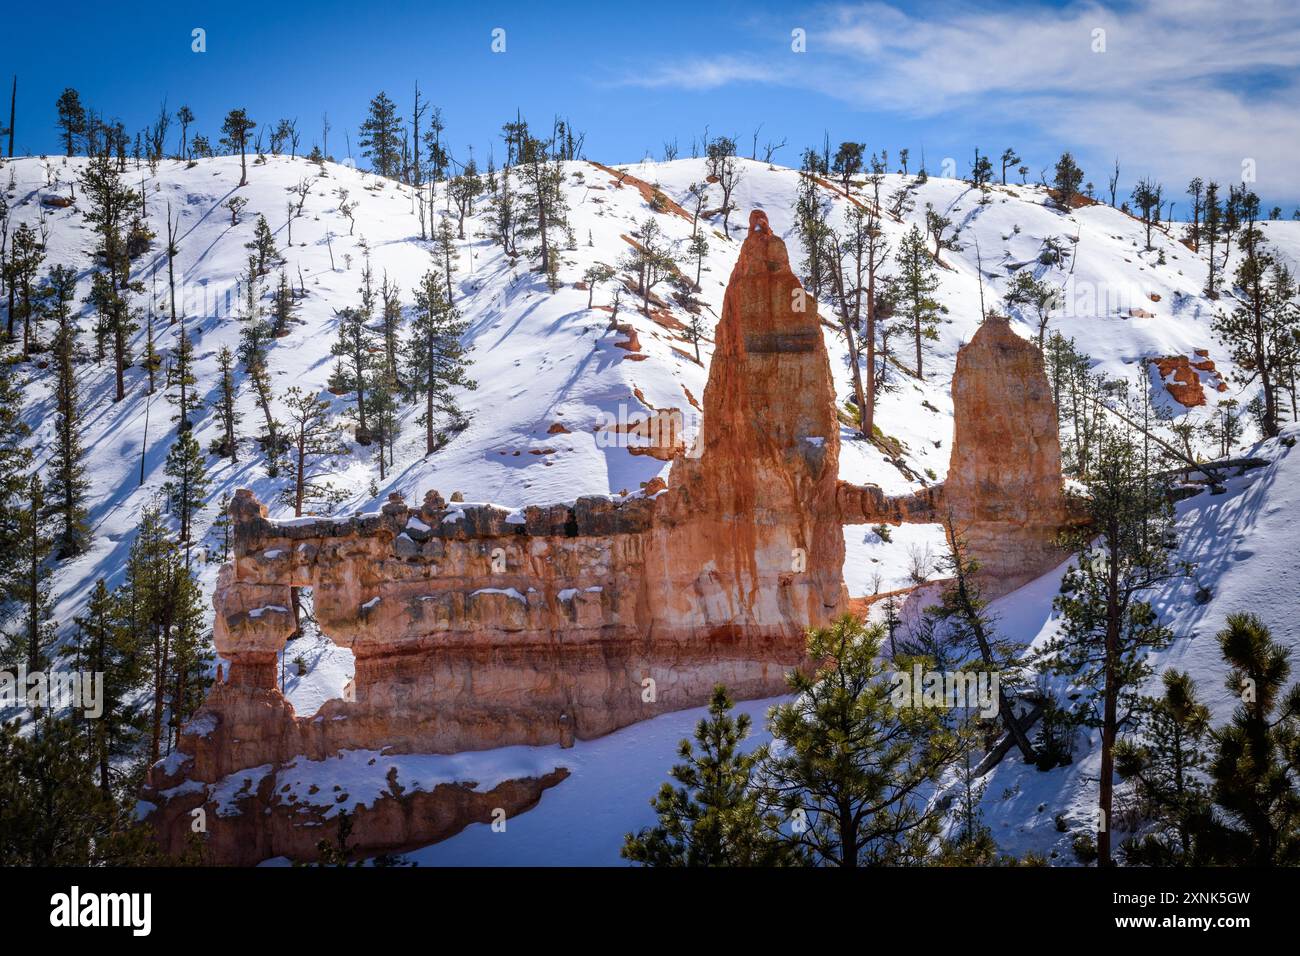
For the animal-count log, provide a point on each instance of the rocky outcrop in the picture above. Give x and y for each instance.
(1185, 378)
(1004, 490)
(475, 627)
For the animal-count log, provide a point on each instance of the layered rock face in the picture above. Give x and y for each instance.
(475, 627)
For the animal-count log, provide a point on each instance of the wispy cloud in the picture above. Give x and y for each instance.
(1185, 87)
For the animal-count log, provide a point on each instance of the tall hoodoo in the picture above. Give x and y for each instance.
(1004, 478)
(753, 538)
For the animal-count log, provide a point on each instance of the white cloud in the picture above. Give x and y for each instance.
(1184, 87)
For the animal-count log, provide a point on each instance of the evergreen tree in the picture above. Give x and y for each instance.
(915, 286)
(445, 254)
(15, 460)
(848, 163)
(24, 263)
(381, 136)
(1146, 196)
(234, 136)
(712, 817)
(254, 352)
(1263, 331)
(542, 197)
(51, 811)
(853, 769)
(355, 349)
(391, 314)
(1109, 630)
(68, 484)
(1165, 762)
(228, 414)
(29, 589)
(180, 376)
(1212, 232)
(187, 482)
(1067, 180)
(970, 629)
(100, 647)
(1255, 783)
(310, 436)
(112, 206)
(284, 307)
(263, 245)
(1027, 290)
(72, 119)
(436, 362)
(1009, 160)
(463, 190)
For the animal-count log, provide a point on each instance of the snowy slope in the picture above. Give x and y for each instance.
(542, 358)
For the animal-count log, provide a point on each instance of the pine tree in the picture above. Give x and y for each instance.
(652, 259)
(29, 589)
(712, 818)
(1027, 290)
(187, 484)
(853, 769)
(68, 484)
(381, 137)
(284, 307)
(15, 460)
(915, 285)
(445, 254)
(463, 190)
(594, 276)
(1212, 232)
(112, 206)
(848, 163)
(355, 350)
(52, 813)
(228, 414)
(971, 630)
(24, 263)
(1263, 332)
(310, 436)
(1253, 769)
(234, 136)
(1146, 196)
(254, 348)
(180, 376)
(100, 646)
(436, 360)
(542, 197)
(1068, 178)
(384, 419)
(1108, 630)
(191, 656)
(391, 315)
(72, 119)
(263, 245)
(1165, 762)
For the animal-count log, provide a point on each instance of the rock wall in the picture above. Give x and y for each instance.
(475, 627)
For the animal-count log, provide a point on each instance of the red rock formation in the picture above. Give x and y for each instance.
(476, 627)
(1003, 490)
(1181, 377)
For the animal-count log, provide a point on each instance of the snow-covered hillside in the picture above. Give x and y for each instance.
(542, 358)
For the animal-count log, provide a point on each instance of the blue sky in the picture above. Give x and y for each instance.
(1174, 88)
